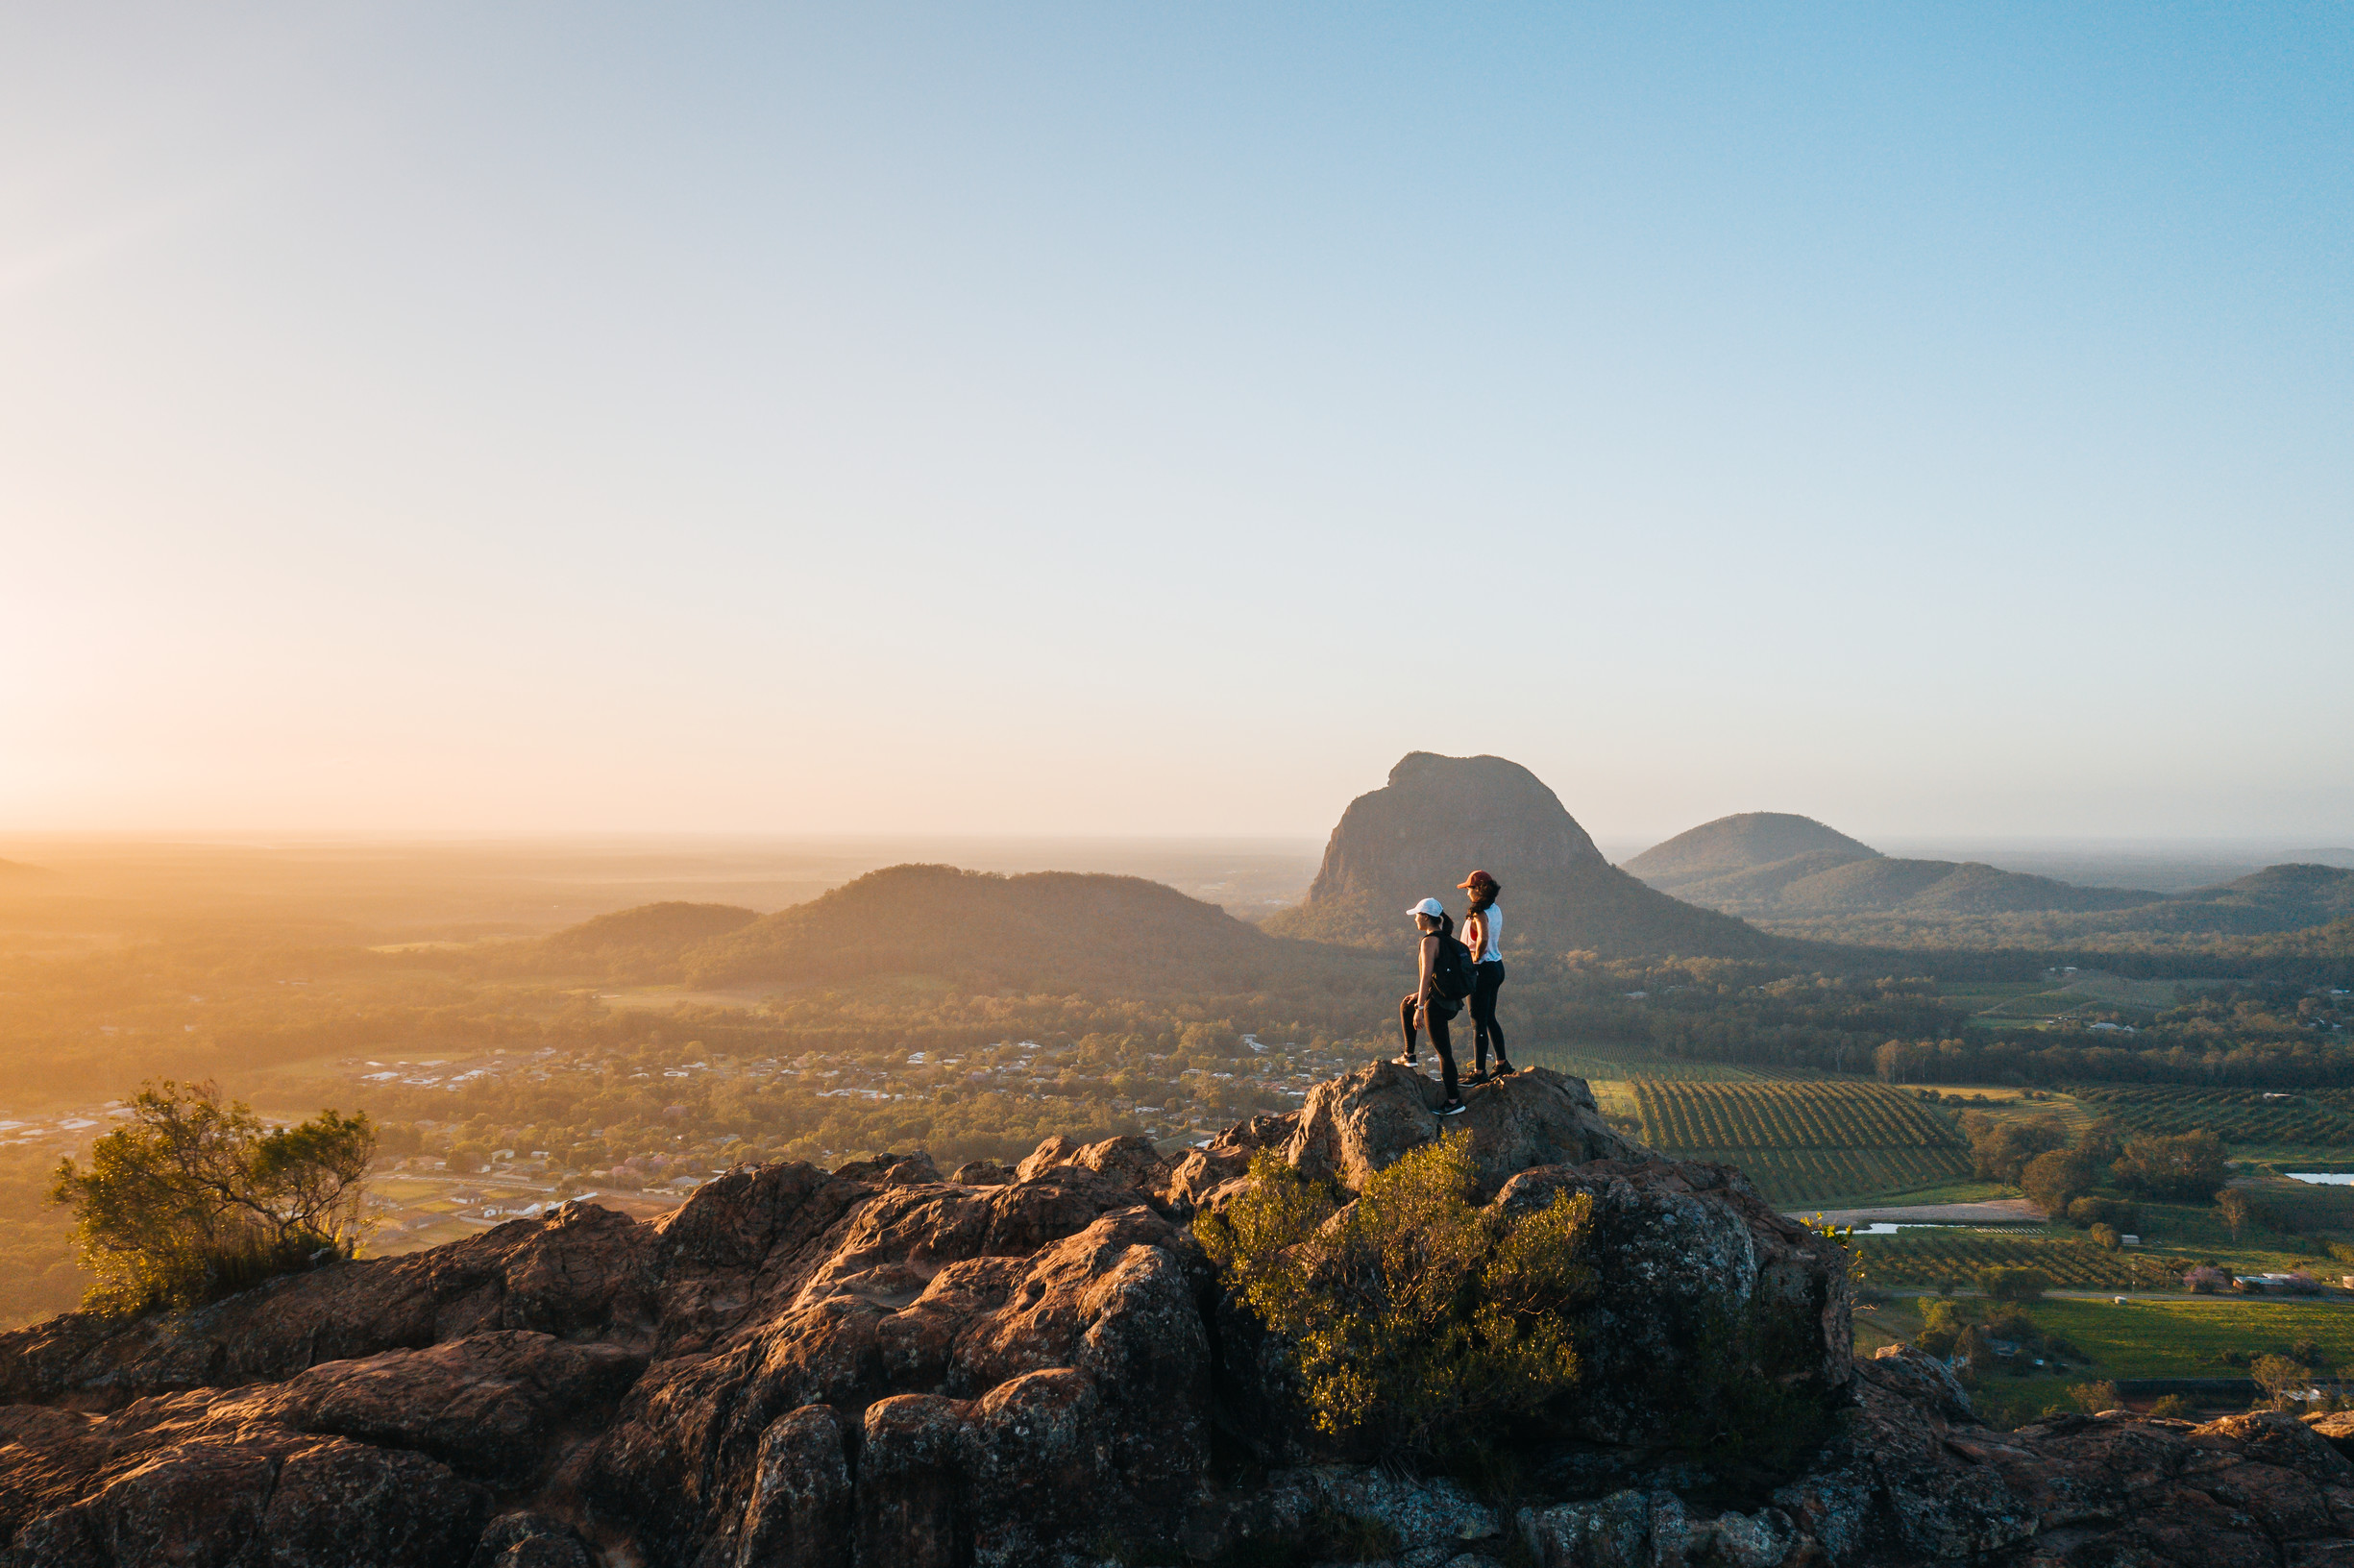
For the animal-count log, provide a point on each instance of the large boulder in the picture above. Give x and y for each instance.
(1698, 1277)
(1363, 1121)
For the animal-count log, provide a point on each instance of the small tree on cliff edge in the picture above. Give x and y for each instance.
(195, 1198)
(1415, 1312)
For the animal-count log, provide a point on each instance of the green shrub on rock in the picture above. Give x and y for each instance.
(193, 1198)
(1416, 1314)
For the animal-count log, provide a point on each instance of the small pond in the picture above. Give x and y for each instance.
(2324, 1178)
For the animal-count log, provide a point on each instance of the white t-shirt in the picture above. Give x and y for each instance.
(1491, 927)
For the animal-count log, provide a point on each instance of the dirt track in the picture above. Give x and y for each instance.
(1994, 1211)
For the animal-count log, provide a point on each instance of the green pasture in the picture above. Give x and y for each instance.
(2005, 1102)
(1990, 992)
(2196, 1233)
(2188, 1338)
(2184, 1337)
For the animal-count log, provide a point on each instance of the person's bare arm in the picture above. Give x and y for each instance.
(1475, 934)
(1422, 987)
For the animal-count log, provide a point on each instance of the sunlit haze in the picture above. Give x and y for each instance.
(1087, 420)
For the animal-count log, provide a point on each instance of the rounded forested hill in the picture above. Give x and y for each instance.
(644, 943)
(2286, 897)
(1439, 818)
(1039, 929)
(1745, 842)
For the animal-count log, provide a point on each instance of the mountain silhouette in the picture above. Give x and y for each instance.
(1438, 817)
(1772, 862)
(1055, 928)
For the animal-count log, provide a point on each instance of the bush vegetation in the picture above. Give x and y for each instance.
(2185, 1166)
(2013, 1284)
(1418, 1317)
(195, 1198)
(2097, 1396)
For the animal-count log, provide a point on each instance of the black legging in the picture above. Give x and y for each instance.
(1485, 981)
(1440, 1042)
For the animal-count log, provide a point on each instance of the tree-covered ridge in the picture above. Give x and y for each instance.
(644, 943)
(1039, 929)
(1938, 904)
(1799, 877)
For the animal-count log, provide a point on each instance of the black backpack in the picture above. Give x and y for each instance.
(1451, 973)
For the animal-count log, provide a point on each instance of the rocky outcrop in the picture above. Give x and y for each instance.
(875, 1365)
(1355, 1125)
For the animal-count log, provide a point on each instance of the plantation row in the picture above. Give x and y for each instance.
(1791, 1177)
(1604, 1068)
(1787, 1115)
(2236, 1116)
(2161, 1093)
(1932, 1258)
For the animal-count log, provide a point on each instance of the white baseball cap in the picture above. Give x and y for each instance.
(1431, 907)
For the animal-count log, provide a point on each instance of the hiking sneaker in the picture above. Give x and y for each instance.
(1476, 1075)
(1406, 1061)
(1504, 1070)
(1453, 1107)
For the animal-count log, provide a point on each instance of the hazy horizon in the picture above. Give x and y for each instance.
(1042, 420)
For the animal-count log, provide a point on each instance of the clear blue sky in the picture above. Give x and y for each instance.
(1120, 418)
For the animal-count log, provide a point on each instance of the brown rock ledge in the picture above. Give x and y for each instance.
(876, 1366)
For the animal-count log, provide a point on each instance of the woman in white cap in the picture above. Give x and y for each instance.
(1426, 1007)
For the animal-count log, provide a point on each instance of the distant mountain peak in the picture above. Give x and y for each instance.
(1744, 841)
(1439, 818)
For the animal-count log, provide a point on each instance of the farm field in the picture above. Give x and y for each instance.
(2013, 1003)
(1806, 1141)
(1824, 1141)
(1685, 1116)
(1825, 1177)
(1596, 1067)
(2184, 1338)
(2240, 1116)
(1929, 1257)
(2181, 1339)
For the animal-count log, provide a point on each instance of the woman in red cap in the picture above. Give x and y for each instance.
(1483, 934)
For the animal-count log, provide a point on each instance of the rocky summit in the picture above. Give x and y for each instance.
(1438, 817)
(878, 1365)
